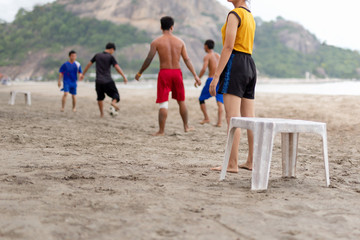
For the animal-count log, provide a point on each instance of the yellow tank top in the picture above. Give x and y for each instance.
(244, 40)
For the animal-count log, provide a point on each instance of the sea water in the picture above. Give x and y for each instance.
(347, 87)
(331, 87)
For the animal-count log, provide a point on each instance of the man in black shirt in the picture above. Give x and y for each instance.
(104, 83)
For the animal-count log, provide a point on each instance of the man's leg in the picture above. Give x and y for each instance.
(101, 107)
(220, 111)
(232, 105)
(74, 103)
(205, 94)
(163, 110)
(63, 101)
(113, 92)
(184, 115)
(113, 103)
(248, 110)
(162, 121)
(203, 109)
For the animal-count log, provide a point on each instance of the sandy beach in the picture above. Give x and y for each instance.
(76, 176)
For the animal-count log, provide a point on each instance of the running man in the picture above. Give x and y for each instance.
(69, 74)
(210, 61)
(169, 48)
(104, 83)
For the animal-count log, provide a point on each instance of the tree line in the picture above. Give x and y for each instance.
(51, 28)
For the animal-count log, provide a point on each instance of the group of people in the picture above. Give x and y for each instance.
(232, 75)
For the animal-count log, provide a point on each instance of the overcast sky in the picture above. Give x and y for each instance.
(335, 22)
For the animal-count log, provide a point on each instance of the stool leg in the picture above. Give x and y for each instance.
(28, 99)
(263, 145)
(325, 156)
(289, 146)
(12, 98)
(229, 144)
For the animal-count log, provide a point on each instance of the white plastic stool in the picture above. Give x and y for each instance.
(13, 97)
(264, 130)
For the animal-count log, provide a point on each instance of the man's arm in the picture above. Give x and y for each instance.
(231, 30)
(205, 65)
(60, 78)
(120, 71)
(81, 76)
(189, 65)
(85, 70)
(80, 73)
(147, 61)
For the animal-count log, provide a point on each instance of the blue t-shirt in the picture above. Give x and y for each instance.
(70, 71)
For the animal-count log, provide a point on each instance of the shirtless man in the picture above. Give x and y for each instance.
(210, 61)
(169, 48)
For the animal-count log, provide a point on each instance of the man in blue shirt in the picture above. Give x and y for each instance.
(69, 73)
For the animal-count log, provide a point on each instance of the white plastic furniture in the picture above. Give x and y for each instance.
(13, 97)
(264, 130)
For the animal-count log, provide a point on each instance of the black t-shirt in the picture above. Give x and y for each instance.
(103, 61)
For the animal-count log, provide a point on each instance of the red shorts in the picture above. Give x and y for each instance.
(170, 80)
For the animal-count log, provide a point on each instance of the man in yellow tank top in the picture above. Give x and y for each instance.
(237, 75)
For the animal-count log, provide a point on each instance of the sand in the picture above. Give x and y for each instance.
(76, 176)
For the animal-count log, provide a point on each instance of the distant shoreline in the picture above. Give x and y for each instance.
(280, 86)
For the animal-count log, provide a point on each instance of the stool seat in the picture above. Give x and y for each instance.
(264, 130)
(26, 94)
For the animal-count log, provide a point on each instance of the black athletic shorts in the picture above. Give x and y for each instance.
(239, 76)
(108, 89)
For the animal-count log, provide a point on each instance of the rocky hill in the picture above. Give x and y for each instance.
(195, 20)
(36, 43)
(286, 49)
(296, 37)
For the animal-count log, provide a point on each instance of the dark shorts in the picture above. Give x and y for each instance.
(239, 76)
(108, 89)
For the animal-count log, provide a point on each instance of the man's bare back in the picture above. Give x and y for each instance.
(169, 48)
(213, 60)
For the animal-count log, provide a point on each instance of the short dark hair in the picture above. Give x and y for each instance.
(166, 22)
(71, 52)
(110, 45)
(210, 44)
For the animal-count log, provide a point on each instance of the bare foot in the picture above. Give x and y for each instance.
(61, 110)
(246, 166)
(217, 125)
(158, 134)
(74, 109)
(204, 121)
(101, 115)
(229, 170)
(189, 129)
